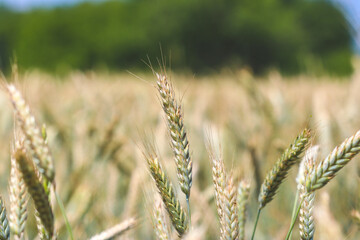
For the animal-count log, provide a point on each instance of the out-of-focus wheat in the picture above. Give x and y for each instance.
(37, 192)
(116, 230)
(219, 180)
(160, 226)
(33, 139)
(18, 198)
(242, 202)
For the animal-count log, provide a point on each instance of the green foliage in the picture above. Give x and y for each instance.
(202, 35)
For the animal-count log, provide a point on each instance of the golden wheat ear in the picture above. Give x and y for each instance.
(230, 217)
(18, 199)
(219, 180)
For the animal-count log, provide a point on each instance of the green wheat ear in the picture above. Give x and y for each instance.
(167, 193)
(334, 162)
(179, 141)
(4, 224)
(279, 171)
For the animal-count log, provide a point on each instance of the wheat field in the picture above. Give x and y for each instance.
(109, 140)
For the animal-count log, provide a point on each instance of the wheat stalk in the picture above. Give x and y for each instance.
(33, 139)
(179, 141)
(116, 230)
(279, 172)
(242, 202)
(336, 160)
(167, 193)
(18, 199)
(36, 191)
(4, 224)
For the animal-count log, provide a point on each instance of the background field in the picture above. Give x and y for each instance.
(97, 122)
(251, 74)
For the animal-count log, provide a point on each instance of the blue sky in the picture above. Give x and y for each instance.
(28, 4)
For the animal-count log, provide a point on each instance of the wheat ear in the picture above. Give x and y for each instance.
(230, 217)
(179, 141)
(306, 219)
(167, 193)
(34, 141)
(242, 202)
(219, 180)
(161, 228)
(278, 173)
(36, 191)
(336, 160)
(18, 200)
(116, 230)
(4, 224)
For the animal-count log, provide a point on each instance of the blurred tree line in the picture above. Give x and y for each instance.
(202, 35)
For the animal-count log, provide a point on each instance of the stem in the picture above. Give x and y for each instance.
(256, 222)
(188, 210)
(294, 208)
(293, 221)
(62, 209)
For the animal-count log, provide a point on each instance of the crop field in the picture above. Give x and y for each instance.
(208, 144)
